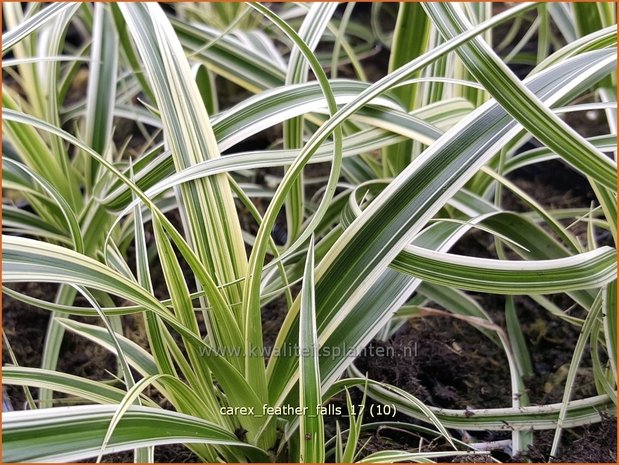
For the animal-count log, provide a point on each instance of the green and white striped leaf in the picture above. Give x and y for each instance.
(189, 135)
(101, 93)
(138, 358)
(578, 412)
(525, 107)
(15, 35)
(92, 391)
(70, 434)
(311, 428)
(582, 271)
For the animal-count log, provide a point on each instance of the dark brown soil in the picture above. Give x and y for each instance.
(595, 443)
(25, 327)
(455, 366)
(173, 453)
(452, 365)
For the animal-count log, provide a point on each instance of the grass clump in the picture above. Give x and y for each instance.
(143, 193)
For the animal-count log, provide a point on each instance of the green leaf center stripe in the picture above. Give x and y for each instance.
(583, 271)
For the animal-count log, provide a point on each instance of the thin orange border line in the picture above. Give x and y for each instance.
(285, 1)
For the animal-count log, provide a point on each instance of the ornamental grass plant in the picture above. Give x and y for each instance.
(142, 192)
